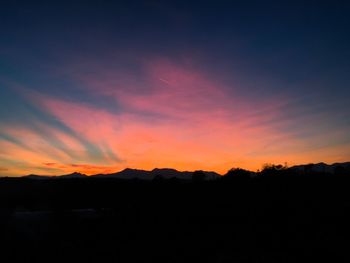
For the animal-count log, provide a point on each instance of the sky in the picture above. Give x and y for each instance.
(99, 86)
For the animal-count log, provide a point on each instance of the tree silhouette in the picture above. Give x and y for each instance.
(238, 173)
(274, 169)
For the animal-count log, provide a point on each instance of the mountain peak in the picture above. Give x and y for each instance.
(164, 170)
(73, 175)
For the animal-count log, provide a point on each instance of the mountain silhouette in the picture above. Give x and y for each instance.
(39, 177)
(128, 173)
(165, 173)
(321, 167)
(168, 173)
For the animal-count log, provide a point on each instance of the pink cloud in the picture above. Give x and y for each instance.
(184, 120)
(169, 115)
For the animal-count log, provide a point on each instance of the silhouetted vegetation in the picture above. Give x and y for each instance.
(237, 174)
(272, 169)
(276, 215)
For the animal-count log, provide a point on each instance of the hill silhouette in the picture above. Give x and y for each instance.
(168, 173)
(128, 173)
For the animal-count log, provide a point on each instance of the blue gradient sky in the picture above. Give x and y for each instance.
(97, 86)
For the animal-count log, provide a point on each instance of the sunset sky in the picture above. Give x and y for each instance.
(96, 87)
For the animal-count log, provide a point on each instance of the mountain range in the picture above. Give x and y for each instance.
(167, 173)
(322, 167)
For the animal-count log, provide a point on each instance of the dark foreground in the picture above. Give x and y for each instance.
(264, 219)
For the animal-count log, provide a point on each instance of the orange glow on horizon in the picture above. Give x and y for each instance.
(185, 121)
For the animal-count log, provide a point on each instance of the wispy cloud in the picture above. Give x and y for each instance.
(166, 114)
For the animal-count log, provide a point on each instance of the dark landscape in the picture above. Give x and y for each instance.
(277, 215)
